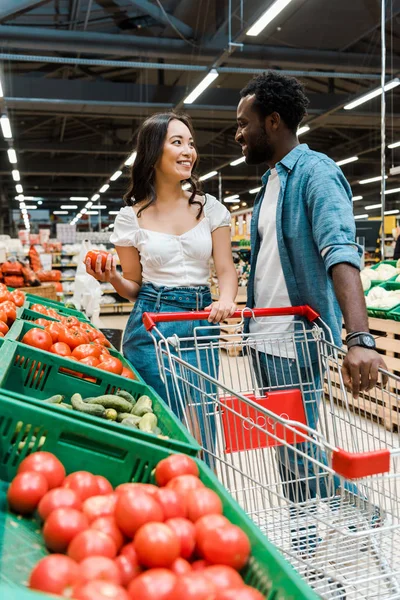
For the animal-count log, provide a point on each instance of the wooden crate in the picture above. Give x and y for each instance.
(383, 404)
(46, 290)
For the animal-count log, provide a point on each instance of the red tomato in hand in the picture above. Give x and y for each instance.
(73, 337)
(93, 255)
(38, 338)
(62, 525)
(202, 501)
(105, 486)
(173, 466)
(245, 592)
(223, 577)
(184, 483)
(173, 503)
(99, 568)
(61, 349)
(54, 330)
(194, 586)
(3, 327)
(112, 365)
(85, 350)
(180, 566)
(127, 373)
(9, 308)
(156, 545)
(134, 510)
(108, 526)
(186, 532)
(99, 506)
(18, 298)
(53, 574)
(100, 590)
(227, 545)
(58, 498)
(83, 482)
(154, 584)
(91, 543)
(26, 491)
(127, 570)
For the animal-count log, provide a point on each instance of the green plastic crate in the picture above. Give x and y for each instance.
(30, 374)
(375, 282)
(382, 313)
(20, 327)
(120, 459)
(59, 306)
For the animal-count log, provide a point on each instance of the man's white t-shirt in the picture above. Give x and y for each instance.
(270, 290)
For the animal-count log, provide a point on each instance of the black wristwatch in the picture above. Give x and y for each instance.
(360, 338)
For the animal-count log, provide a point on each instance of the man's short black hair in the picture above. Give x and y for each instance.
(278, 93)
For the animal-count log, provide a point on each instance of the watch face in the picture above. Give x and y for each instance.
(368, 341)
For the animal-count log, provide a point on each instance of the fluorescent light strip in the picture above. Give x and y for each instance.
(238, 161)
(68, 206)
(129, 161)
(111, 226)
(208, 175)
(373, 94)
(92, 212)
(15, 175)
(1, 91)
(113, 212)
(236, 207)
(20, 198)
(22, 205)
(12, 156)
(393, 191)
(233, 198)
(186, 186)
(302, 130)
(365, 216)
(6, 127)
(392, 212)
(60, 212)
(394, 145)
(372, 206)
(255, 190)
(100, 206)
(19, 188)
(103, 189)
(115, 176)
(355, 198)
(346, 161)
(31, 207)
(270, 14)
(199, 89)
(372, 180)
(84, 211)
(33, 198)
(79, 198)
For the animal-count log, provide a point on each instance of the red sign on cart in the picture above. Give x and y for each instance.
(244, 432)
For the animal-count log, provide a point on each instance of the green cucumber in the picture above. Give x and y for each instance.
(57, 399)
(91, 409)
(129, 422)
(144, 405)
(148, 423)
(127, 396)
(111, 414)
(111, 401)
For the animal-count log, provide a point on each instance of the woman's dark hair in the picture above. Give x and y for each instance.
(150, 144)
(278, 93)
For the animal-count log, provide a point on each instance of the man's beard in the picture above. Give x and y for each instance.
(260, 152)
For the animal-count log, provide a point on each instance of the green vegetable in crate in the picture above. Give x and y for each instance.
(32, 443)
(65, 405)
(130, 421)
(122, 416)
(57, 399)
(91, 409)
(143, 406)
(127, 396)
(111, 414)
(148, 423)
(110, 401)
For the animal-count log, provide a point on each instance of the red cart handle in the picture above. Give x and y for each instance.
(150, 319)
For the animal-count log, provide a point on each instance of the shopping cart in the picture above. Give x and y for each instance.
(313, 467)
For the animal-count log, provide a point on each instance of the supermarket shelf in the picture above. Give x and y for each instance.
(60, 266)
(67, 279)
(117, 308)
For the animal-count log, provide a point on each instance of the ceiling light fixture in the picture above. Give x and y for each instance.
(15, 175)
(392, 212)
(103, 189)
(92, 212)
(269, 15)
(392, 191)
(5, 127)
(238, 161)
(186, 186)
(89, 204)
(355, 198)
(371, 180)
(31, 207)
(373, 94)
(255, 190)
(235, 207)
(372, 206)
(60, 212)
(84, 211)
(365, 216)
(115, 176)
(208, 175)
(95, 197)
(302, 130)
(68, 206)
(100, 206)
(113, 212)
(199, 89)
(346, 161)
(20, 198)
(233, 198)
(12, 156)
(79, 198)
(129, 161)
(19, 189)
(394, 145)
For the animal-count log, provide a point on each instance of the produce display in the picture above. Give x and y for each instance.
(383, 272)
(9, 302)
(166, 541)
(379, 297)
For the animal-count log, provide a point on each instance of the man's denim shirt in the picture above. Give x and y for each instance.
(315, 230)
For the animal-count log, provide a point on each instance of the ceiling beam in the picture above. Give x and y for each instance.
(162, 16)
(11, 8)
(36, 38)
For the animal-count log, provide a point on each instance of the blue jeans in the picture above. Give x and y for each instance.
(301, 478)
(138, 347)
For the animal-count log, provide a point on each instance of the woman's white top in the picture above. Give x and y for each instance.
(168, 259)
